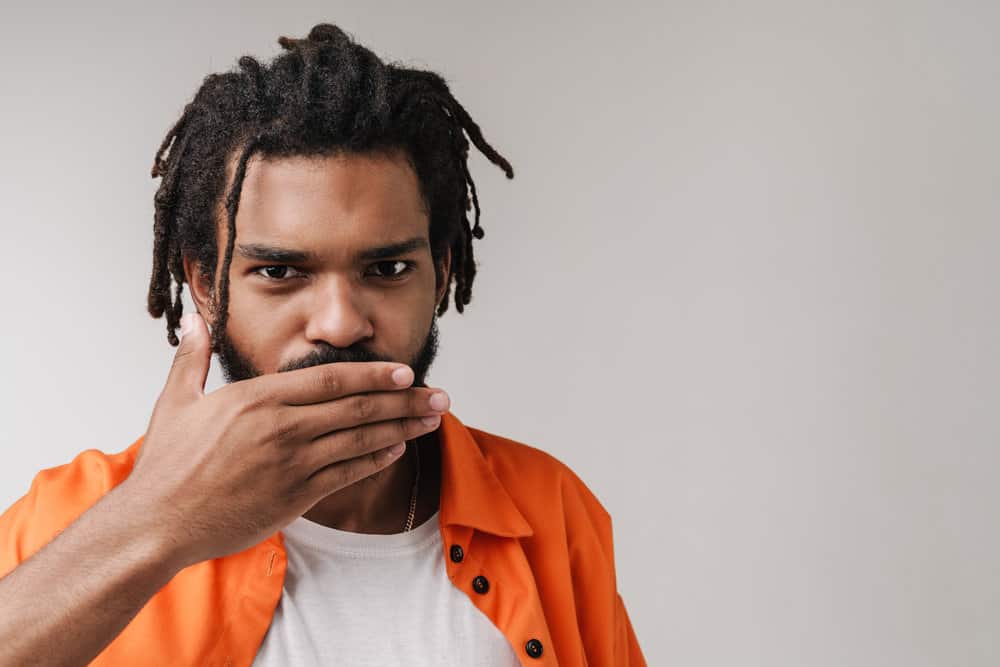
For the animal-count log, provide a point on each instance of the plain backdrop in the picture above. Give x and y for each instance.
(743, 283)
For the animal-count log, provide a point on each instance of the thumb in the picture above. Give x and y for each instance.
(194, 354)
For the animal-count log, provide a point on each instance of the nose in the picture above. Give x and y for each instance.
(338, 315)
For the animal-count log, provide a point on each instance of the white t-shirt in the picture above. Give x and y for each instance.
(375, 600)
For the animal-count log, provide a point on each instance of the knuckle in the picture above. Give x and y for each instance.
(180, 357)
(164, 402)
(329, 379)
(294, 468)
(418, 401)
(283, 427)
(360, 438)
(331, 478)
(254, 395)
(362, 407)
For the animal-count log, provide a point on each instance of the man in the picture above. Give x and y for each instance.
(324, 507)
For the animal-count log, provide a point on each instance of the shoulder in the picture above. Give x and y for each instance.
(541, 484)
(56, 498)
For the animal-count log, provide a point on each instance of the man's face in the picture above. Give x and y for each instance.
(312, 280)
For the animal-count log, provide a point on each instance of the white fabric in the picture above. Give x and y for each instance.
(376, 600)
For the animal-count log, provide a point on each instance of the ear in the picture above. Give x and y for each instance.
(441, 271)
(200, 289)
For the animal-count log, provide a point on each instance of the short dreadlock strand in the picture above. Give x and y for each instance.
(252, 69)
(464, 257)
(159, 289)
(159, 167)
(444, 96)
(232, 206)
(457, 111)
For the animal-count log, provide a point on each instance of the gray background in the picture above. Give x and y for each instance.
(743, 284)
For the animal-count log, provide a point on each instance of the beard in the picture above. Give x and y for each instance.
(236, 366)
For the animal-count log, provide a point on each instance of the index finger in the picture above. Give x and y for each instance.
(326, 382)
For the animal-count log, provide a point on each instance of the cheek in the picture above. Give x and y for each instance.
(418, 328)
(261, 327)
(399, 325)
(262, 309)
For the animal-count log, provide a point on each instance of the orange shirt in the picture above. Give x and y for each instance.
(521, 518)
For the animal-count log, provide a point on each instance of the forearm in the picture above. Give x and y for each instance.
(67, 602)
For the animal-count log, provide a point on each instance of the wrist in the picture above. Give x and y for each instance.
(145, 533)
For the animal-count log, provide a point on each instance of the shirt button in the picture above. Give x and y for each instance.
(534, 648)
(481, 584)
(456, 553)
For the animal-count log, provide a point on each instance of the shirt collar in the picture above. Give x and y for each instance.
(471, 493)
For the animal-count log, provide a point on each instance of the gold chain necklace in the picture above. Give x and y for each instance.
(413, 495)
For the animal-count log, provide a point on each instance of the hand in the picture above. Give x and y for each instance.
(223, 471)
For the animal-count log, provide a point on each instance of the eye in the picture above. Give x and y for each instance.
(277, 272)
(407, 267)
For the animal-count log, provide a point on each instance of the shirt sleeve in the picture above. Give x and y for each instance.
(15, 531)
(57, 497)
(627, 651)
(8, 548)
(604, 621)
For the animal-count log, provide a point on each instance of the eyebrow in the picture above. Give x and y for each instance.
(265, 253)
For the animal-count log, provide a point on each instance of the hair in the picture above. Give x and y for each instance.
(324, 95)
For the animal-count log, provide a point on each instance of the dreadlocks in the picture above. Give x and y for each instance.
(323, 95)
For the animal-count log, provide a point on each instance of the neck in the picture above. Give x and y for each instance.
(380, 504)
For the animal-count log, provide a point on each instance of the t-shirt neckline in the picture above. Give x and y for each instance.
(309, 534)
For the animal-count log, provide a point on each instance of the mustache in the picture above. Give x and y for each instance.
(327, 354)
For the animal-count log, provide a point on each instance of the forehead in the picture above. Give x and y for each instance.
(340, 200)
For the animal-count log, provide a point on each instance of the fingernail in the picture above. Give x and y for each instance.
(431, 421)
(402, 376)
(439, 401)
(397, 449)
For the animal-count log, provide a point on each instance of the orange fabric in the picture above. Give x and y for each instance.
(525, 521)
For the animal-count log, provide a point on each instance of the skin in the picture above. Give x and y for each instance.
(335, 306)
